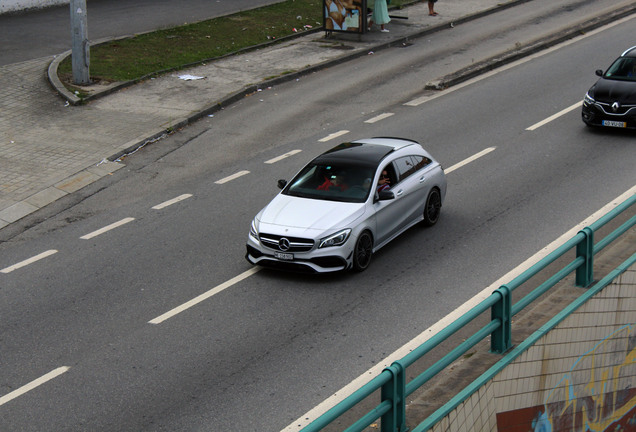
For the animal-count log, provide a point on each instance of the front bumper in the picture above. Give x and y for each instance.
(327, 260)
(600, 114)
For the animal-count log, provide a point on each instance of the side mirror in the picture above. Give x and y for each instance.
(385, 195)
(599, 72)
(282, 183)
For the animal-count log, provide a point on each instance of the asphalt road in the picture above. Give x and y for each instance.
(264, 350)
(45, 32)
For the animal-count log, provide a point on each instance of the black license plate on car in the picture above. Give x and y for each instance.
(284, 256)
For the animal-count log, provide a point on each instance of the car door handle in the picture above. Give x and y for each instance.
(422, 179)
(400, 192)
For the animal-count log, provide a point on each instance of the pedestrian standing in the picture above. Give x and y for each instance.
(380, 15)
(431, 7)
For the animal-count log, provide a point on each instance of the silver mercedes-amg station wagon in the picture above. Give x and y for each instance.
(346, 204)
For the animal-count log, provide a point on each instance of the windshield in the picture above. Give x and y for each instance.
(622, 69)
(332, 182)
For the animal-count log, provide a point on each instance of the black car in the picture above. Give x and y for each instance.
(611, 102)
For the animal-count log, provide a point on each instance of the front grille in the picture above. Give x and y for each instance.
(622, 110)
(296, 244)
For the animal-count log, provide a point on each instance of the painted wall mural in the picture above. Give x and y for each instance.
(597, 394)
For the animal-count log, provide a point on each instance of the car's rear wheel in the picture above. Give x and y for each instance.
(363, 251)
(433, 207)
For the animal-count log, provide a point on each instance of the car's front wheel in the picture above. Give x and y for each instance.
(363, 251)
(433, 207)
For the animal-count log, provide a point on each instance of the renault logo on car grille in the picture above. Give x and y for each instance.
(283, 244)
(615, 106)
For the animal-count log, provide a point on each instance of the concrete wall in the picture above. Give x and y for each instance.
(18, 5)
(580, 376)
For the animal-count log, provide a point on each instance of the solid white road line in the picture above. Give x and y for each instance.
(28, 261)
(33, 384)
(283, 156)
(554, 117)
(333, 135)
(107, 228)
(448, 319)
(172, 201)
(232, 177)
(469, 160)
(204, 296)
(379, 117)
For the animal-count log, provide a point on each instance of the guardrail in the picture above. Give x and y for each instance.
(392, 383)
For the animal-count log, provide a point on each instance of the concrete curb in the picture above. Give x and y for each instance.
(73, 99)
(487, 65)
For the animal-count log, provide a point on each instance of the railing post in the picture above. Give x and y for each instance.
(501, 339)
(394, 390)
(585, 249)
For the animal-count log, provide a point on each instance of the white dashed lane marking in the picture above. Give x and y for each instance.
(469, 160)
(379, 117)
(204, 296)
(107, 228)
(554, 117)
(172, 201)
(333, 136)
(33, 384)
(283, 156)
(28, 261)
(232, 177)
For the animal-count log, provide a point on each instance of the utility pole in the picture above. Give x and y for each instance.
(81, 49)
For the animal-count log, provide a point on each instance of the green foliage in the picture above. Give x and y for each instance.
(167, 49)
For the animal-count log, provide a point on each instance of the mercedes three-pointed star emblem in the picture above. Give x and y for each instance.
(283, 244)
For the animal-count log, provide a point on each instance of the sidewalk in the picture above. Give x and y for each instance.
(50, 148)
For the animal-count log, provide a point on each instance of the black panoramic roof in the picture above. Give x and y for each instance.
(355, 154)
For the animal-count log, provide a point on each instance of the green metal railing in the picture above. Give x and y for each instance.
(392, 383)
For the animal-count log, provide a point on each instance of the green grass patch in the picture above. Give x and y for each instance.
(174, 48)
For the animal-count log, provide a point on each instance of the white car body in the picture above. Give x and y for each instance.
(305, 228)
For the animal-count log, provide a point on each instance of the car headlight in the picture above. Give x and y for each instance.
(588, 99)
(254, 231)
(336, 239)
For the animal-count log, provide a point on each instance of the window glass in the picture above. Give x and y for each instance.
(332, 182)
(623, 68)
(410, 164)
(420, 162)
(404, 166)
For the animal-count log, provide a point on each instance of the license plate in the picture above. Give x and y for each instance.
(284, 256)
(612, 123)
